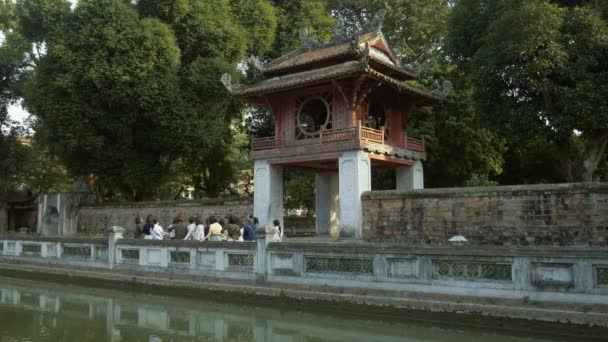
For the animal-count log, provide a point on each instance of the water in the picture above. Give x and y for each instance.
(40, 311)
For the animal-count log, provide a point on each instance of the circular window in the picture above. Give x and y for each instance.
(313, 115)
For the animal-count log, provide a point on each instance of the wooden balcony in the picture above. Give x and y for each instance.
(335, 140)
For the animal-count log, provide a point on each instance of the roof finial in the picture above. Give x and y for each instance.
(340, 32)
(307, 42)
(443, 89)
(227, 81)
(376, 23)
(257, 63)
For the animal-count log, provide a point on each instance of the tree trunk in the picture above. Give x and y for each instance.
(596, 147)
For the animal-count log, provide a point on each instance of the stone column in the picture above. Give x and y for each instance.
(327, 206)
(322, 203)
(268, 192)
(355, 178)
(410, 177)
(261, 259)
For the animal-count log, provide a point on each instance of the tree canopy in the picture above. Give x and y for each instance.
(127, 93)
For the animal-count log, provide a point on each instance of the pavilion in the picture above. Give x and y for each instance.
(340, 110)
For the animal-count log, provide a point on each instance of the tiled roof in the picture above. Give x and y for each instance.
(298, 79)
(301, 57)
(316, 76)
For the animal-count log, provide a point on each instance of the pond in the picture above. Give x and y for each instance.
(40, 311)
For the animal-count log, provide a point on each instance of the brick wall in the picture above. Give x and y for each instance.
(560, 215)
(98, 218)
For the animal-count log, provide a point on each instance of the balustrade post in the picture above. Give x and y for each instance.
(114, 234)
(382, 134)
(260, 264)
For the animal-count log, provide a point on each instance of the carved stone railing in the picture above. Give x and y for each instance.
(68, 250)
(267, 143)
(563, 275)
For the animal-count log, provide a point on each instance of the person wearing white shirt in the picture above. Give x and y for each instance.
(157, 231)
(191, 227)
(198, 232)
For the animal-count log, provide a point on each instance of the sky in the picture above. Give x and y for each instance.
(17, 113)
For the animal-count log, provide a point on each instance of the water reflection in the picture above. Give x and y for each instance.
(36, 311)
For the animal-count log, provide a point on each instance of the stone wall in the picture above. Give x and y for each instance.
(547, 214)
(97, 218)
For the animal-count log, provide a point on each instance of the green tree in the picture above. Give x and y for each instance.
(213, 36)
(293, 15)
(459, 143)
(104, 95)
(539, 69)
(13, 60)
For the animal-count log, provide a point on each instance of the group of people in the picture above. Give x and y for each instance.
(224, 229)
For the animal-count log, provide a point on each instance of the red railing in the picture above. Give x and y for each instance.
(268, 143)
(339, 134)
(359, 132)
(370, 134)
(414, 144)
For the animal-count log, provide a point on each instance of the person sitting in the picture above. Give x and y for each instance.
(250, 227)
(157, 232)
(233, 228)
(215, 230)
(198, 232)
(147, 229)
(179, 228)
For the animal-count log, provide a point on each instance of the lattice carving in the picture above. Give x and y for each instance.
(180, 257)
(471, 271)
(339, 265)
(76, 252)
(602, 275)
(130, 255)
(240, 260)
(31, 249)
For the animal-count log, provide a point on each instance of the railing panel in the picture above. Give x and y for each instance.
(372, 135)
(31, 249)
(77, 252)
(240, 260)
(467, 270)
(258, 144)
(414, 144)
(318, 264)
(334, 135)
(129, 256)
